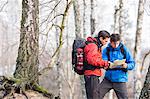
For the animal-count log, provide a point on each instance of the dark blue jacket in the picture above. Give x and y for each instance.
(118, 75)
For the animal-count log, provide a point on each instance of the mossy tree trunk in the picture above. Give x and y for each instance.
(27, 60)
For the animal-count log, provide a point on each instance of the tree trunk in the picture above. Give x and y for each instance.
(5, 53)
(77, 19)
(78, 34)
(121, 23)
(145, 93)
(92, 19)
(58, 65)
(118, 18)
(85, 18)
(137, 49)
(27, 60)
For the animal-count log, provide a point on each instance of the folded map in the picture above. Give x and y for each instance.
(117, 63)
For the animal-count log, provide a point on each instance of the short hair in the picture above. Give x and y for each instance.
(104, 34)
(115, 37)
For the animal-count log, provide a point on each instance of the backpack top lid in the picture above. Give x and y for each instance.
(91, 39)
(78, 43)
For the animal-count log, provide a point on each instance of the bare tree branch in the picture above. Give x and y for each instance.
(1, 9)
(43, 49)
(147, 7)
(52, 61)
(47, 2)
(50, 13)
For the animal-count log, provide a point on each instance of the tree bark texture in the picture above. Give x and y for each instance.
(116, 15)
(139, 27)
(85, 18)
(118, 18)
(92, 19)
(121, 23)
(27, 60)
(137, 49)
(77, 19)
(145, 93)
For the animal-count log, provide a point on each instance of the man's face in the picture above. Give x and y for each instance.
(115, 44)
(104, 41)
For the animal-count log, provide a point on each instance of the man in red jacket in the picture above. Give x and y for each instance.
(94, 62)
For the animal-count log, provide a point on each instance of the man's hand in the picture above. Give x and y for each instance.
(111, 64)
(117, 63)
(106, 64)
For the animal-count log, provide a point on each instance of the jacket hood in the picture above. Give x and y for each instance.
(91, 39)
(95, 39)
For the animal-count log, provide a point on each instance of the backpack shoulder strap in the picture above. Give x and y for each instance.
(123, 51)
(107, 53)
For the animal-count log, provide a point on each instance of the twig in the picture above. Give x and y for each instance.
(60, 40)
(1, 9)
(50, 13)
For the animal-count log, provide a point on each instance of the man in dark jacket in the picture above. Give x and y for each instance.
(94, 61)
(116, 76)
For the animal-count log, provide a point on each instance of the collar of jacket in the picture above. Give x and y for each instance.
(95, 39)
(115, 49)
(99, 42)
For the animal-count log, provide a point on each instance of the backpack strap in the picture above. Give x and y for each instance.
(107, 53)
(123, 51)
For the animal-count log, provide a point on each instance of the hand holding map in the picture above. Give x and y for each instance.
(117, 63)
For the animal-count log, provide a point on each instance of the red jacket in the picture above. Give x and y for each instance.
(94, 57)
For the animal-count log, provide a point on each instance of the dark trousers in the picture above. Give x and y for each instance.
(91, 84)
(119, 88)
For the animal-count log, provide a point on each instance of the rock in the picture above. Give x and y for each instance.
(30, 94)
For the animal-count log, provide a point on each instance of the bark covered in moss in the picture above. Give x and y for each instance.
(27, 60)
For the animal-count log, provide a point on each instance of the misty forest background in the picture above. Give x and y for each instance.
(56, 23)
